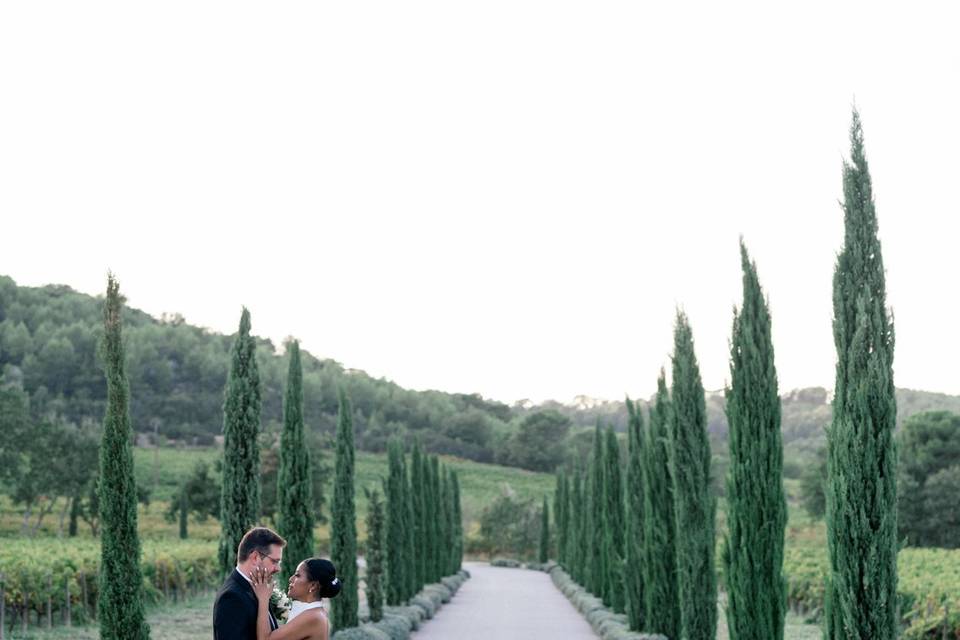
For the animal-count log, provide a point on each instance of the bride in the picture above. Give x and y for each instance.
(314, 579)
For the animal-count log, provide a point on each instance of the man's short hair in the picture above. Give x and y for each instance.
(258, 539)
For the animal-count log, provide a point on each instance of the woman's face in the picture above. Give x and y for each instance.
(299, 586)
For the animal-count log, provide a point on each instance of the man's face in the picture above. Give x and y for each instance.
(271, 561)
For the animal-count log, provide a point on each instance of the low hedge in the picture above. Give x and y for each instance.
(399, 622)
(605, 623)
(510, 563)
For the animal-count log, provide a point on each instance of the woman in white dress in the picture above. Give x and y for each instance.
(315, 579)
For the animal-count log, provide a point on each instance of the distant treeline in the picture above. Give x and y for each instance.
(48, 348)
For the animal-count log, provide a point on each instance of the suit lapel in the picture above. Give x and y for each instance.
(247, 588)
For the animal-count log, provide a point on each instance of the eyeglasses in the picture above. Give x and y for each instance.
(275, 561)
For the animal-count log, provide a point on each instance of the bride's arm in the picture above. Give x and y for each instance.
(263, 588)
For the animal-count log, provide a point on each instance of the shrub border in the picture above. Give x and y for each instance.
(398, 622)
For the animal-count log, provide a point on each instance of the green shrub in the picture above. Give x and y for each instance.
(413, 614)
(505, 562)
(425, 604)
(605, 623)
(396, 627)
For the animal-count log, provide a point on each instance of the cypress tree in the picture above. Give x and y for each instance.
(457, 524)
(862, 458)
(343, 528)
(418, 490)
(240, 496)
(436, 540)
(559, 515)
(694, 506)
(576, 509)
(613, 523)
(294, 480)
(662, 612)
(183, 504)
(543, 552)
(584, 539)
(410, 541)
(445, 522)
(396, 586)
(120, 604)
(375, 555)
(756, 507)
(429, 521)
(634, 543)
(596, 565)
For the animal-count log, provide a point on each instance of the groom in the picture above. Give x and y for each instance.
(235, 609)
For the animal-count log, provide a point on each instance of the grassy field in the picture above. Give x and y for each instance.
(162, 470)
(188, 620)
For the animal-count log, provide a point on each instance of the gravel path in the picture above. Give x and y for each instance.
(501, 604)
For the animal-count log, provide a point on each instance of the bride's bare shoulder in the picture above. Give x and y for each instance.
(323, 625)
(319, 625)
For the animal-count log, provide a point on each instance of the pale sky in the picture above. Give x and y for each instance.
(509, 198)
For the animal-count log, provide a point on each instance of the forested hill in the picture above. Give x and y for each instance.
(48, 347)
(48, 343)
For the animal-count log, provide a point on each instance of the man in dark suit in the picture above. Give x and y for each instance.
(235, 609)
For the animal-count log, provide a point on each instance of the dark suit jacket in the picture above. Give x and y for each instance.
(235, 610)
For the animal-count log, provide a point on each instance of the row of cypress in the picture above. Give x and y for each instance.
(661, 573)
(240, 498)
(670, 530)
(424, 529)
(632, 515)
(656, 518)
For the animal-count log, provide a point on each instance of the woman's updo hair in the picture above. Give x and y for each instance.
(322, 571)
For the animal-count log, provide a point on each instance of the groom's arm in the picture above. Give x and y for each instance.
(230, 618)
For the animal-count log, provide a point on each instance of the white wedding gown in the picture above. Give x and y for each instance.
(299, 607)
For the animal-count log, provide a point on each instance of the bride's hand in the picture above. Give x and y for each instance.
(262, 584)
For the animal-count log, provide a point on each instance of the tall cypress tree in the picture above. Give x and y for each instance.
(294, 480)
(543, 551)
(694, 506)
(433, 475)
(410, 540)
(120, 605)
(756, 506)
(418, 489)
(375, 555)
(445, 522)
(597, 565)
(559, 515)
(183, 507)
(396, 586)
(585, 542)
(457, 524)
(634, 544)
(343, 528)
(240, 497)
(862, 458)
(662, 613)
(614, 525)
(575, 507)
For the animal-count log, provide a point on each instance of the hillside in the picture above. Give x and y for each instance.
(48, 348)
(48, 342)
